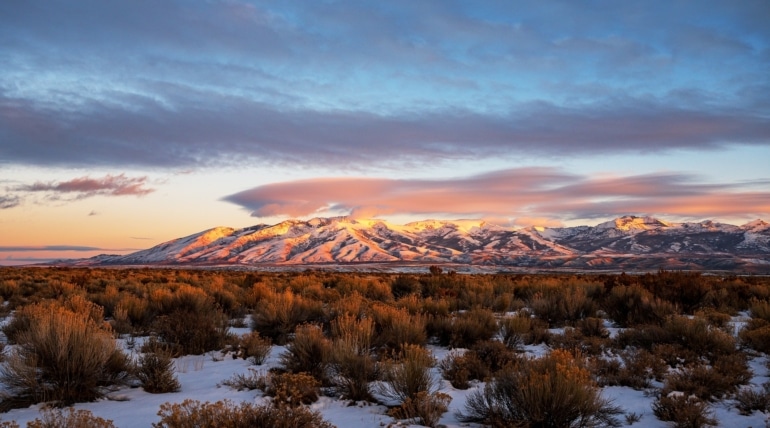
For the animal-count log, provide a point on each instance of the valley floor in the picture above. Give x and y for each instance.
(201, 377)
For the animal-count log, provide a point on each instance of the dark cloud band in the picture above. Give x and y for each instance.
(240, 130)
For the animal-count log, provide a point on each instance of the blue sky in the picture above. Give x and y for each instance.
(172, 117)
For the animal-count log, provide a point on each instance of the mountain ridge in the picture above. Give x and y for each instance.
(625, 243)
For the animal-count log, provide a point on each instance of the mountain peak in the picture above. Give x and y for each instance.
(633, 223)
(215, 233)
(757, 225)
(460, 225)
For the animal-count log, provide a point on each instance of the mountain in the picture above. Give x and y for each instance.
(627, 243)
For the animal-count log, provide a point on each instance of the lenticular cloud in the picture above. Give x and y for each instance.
(524, 192)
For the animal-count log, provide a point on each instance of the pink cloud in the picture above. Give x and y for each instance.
(527, 195)
(84, 187)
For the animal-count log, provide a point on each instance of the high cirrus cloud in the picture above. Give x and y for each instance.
(514, 193)
(85, 187)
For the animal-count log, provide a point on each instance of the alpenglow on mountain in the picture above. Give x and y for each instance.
(627, 243)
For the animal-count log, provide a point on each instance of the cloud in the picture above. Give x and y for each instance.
(373, 83)
(523, 194)
(85, 187)
(6, 249)
(239, 130)
(9, 201)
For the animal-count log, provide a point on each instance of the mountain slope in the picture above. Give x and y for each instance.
(625, 243)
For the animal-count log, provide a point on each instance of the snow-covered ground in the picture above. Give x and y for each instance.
(202, 375)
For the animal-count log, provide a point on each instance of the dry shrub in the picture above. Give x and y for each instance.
(606, 371)
(735, 369)
(247, 381)
(680, 340)
(255, 294)
(472, 326)
(309, 352)
(228, 302)
(756, 335)
(760, 309)
(408, 375)
(404, 285)
(371, 287)
(156, 373)
(684, 411)
(121, 323)
(592, 327)
(439, 327)
(154, 345)
(695, 334)
(750, 400)
(557, 305)
(254, 347)
(62, 356)
(192, 323)
(435, 307)
(412, 303)
(354, 304)
(645, 336)
(278, 314)
(194, 414)
(423, 409)
(291, 389)
(359, 332)
(493, 356)
(454, 368)
(507, 302)
(514, 330)
(714, 317)
(688, 290)
(138, 312)
(522, 329)
(710, 382)
(573, 340)
(19, 323)
(395, 328)
(460, 368)
(639, 367)
(58, 418)
(352, 365)
(675, 355)
(634, 305)
(553, 391)
(27, 316)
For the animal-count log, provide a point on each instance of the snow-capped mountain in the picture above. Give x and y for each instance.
(626, 243)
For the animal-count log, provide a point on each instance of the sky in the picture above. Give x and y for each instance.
(129, 123)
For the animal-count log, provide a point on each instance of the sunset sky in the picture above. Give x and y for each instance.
(124, 124)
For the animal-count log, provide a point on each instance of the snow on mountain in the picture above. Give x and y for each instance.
(756, 226)
(632, 224)
(624, 242)
(756, 235)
